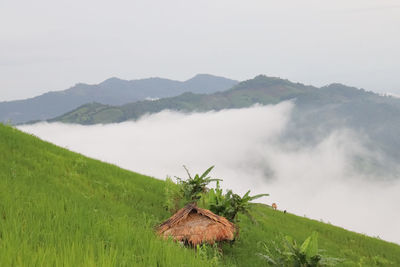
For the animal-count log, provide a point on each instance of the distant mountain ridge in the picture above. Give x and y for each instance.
(317, 113)
(112, 91)
(261, 89)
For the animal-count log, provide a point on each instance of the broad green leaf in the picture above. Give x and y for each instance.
(258, 196)
(310, 246)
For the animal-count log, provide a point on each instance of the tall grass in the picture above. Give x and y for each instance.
(59, 208)
(355, 249)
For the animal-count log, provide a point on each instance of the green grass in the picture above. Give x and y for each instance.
(59, 208)
(273, 225)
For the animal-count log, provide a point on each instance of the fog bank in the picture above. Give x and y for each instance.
(246, 147)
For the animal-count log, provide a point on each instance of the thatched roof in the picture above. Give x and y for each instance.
(195, 226)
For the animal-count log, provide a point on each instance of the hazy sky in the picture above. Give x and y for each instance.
(317, 181)
(51, 45)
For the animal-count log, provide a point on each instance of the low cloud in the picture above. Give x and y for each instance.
(247, 148)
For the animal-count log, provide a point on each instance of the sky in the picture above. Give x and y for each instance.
(51, 45)
(308, 180)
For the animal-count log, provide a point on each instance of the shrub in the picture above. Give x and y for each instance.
(291, 254)
(230, 204)
(193, 187)
(174, 196)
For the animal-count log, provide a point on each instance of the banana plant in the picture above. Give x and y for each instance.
(230, 204)
(292, 254)
(193, 187)
(240, 204)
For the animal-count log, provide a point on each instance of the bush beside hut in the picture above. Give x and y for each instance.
(193, 225)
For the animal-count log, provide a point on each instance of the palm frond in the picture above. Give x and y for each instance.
(207, 172)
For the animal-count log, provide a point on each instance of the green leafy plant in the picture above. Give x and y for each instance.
(374, 261)
(291, 254)
(173, 195)
(193, 187)
(230, 204)
(211, 253)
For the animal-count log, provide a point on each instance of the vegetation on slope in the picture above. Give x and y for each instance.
(59, 208)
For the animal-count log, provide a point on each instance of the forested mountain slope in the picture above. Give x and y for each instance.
(113, 91)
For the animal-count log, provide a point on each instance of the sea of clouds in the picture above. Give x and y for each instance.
(248, 151)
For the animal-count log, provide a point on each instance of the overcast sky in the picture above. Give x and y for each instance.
(51, 45)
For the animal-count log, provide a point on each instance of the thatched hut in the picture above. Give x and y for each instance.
(193, 226)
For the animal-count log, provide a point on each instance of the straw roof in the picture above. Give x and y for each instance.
(195, 226)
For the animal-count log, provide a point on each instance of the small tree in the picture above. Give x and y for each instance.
(242, 204)
(230, 204)
(193, 187)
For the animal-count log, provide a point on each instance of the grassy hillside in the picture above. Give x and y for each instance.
(59, 208)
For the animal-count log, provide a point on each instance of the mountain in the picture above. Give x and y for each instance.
(317, 113)
(262, 90)
(61, 208)
(113, 91)
(333, 107)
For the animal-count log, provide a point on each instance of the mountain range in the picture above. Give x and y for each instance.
(113, 91)
(261, 89)
(317, 113)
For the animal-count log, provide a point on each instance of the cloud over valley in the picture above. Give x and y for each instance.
(247, 147)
